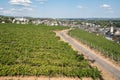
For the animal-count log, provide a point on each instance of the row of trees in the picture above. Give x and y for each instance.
(6, 19)
(106, 23)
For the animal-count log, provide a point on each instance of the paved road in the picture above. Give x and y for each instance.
(106, 66)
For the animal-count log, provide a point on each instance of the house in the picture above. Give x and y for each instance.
(117, 32)
(3, 22)
(54, 24)
(37, 22)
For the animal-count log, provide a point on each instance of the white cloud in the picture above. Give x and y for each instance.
(81, 7)
(4, 11)
(16, 11)
(106, 6)
(20, 2)
(8, 12)
(23, 9)
(1, 8)
(26, 8)
(42, 1)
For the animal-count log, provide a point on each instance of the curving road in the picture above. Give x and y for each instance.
(105, 65)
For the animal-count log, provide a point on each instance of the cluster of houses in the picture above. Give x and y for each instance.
(20, 20)
(111, 33)
(16, 20)
(48, 22)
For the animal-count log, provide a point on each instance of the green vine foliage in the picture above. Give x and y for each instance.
(30, 50)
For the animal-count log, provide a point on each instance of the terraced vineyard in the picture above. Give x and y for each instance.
(31, 50)
(108, 48)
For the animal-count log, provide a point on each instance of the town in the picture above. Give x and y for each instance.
(108, 28)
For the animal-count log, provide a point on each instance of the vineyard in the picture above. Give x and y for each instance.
(108, 48)
(30, 50)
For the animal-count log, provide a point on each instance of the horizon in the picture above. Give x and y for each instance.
(63, 17)
(61, 8)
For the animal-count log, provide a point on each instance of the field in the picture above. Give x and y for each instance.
(30, 50)
(108, 48)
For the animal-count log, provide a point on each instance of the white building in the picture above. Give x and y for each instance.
(3, 22)
(112, 30)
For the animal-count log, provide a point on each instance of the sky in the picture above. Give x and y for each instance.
(61, 8)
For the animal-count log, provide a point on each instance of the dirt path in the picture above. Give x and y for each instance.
(105, 74)
(41, 78)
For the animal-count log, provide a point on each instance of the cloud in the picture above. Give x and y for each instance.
(22, 9)
(81, 7)
(42, 1)
(13, 11)
(25, 8)
(8, 12)
(4, 11)
(20, 2)
(1, 8)
(106, 6)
